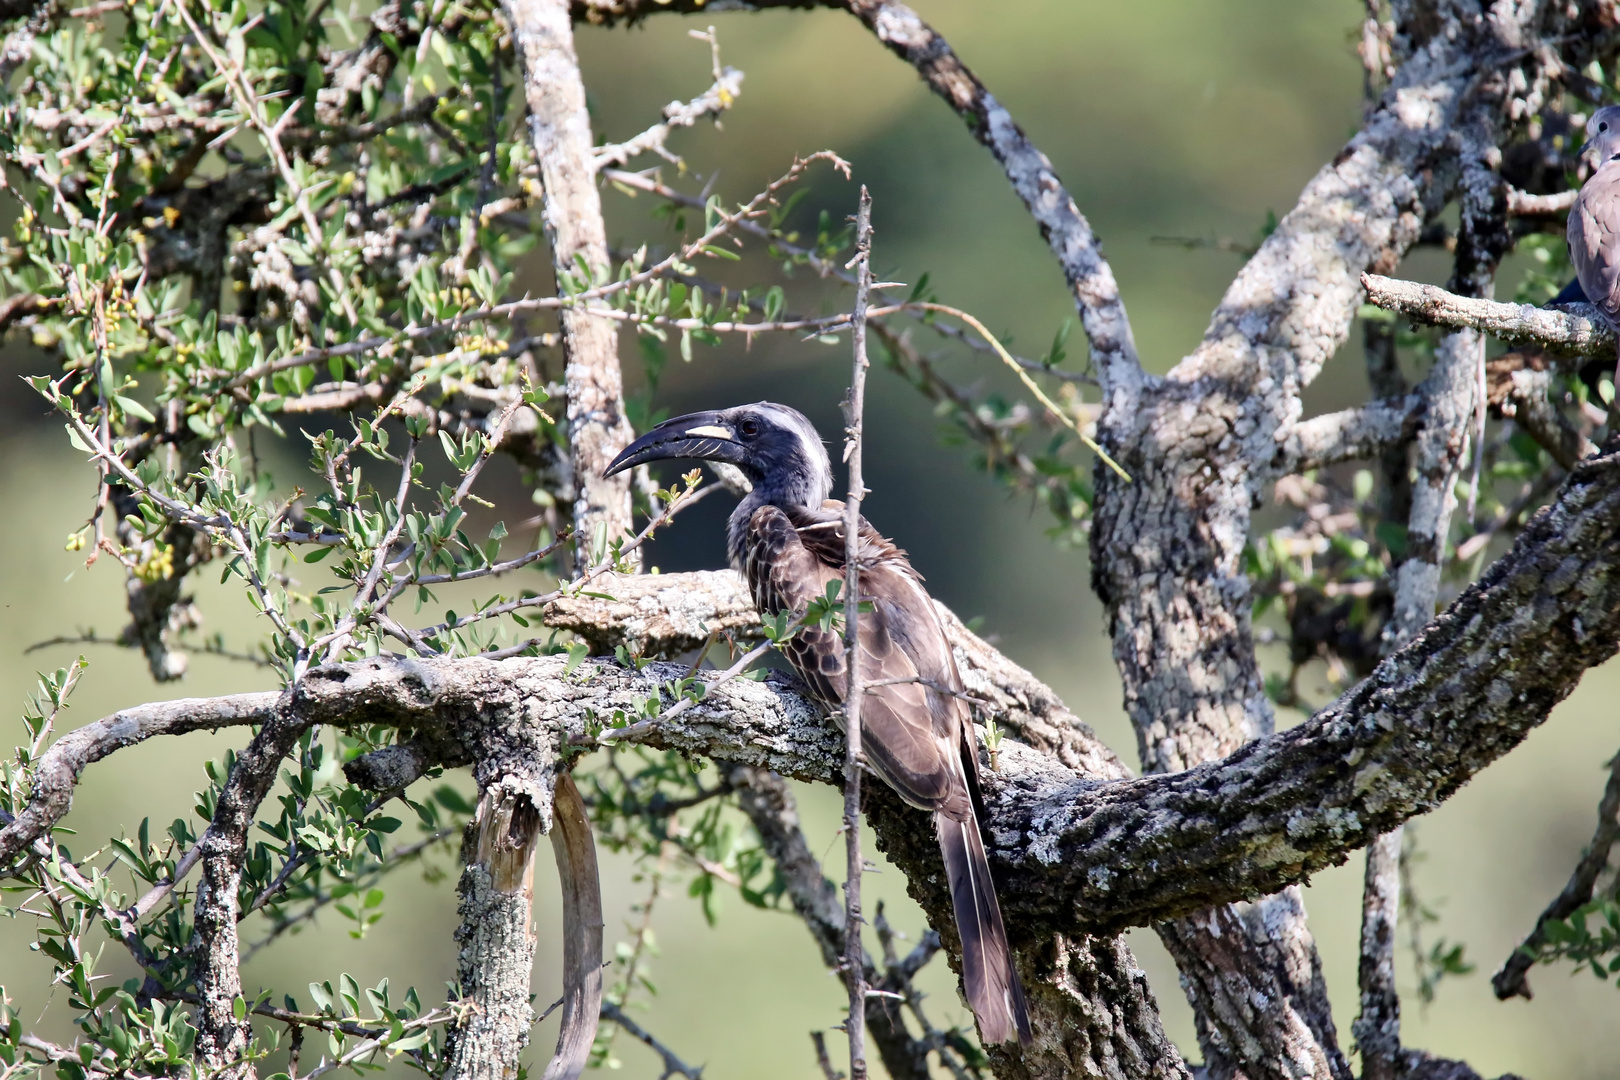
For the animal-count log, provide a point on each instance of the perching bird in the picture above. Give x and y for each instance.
(787, 539)
(1594, 220)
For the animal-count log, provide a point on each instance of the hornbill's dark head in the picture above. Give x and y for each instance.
(776, 447)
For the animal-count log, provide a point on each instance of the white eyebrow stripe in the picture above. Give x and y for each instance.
(712, 431)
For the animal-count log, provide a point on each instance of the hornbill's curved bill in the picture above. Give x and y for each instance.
(788, 541)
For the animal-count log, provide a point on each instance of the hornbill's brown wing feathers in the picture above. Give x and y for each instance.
(916, 731)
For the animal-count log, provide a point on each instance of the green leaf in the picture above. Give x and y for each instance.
(134, 408)
(576, 654)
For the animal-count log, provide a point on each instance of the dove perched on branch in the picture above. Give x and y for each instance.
(1594, 221)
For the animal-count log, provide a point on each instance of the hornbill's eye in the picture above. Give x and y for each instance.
(748, 428)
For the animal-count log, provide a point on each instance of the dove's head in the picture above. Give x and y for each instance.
(1603, 133)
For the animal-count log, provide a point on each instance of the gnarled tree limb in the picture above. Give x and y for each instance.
(1575, 330)
(1078, 855)
(58, 769)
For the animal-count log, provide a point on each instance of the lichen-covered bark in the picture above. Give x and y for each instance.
(1075, 856)
(1576, 331)
(571, 212)
(221, 1036)
(1201, 445)
(657, 614)
(1256, 987)
(667, 614)
(496, 937)
(1378, 1028)
(1464, 691)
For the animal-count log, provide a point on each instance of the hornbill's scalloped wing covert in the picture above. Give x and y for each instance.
(787, 538)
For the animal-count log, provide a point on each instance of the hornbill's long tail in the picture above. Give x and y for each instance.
(993, 990)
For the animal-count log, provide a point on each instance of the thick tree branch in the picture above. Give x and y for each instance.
(1378, 1029)
(1168, 550)
(663, 615)
(222, 1037)
(1462, 693)
(496, 936)
(1355, 434)
(1077, 855)
(1452, 396)
(1575, 330)
(1256, 987)
(57, 772)
(571, 212)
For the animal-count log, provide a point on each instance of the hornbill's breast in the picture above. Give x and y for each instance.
(912, 724)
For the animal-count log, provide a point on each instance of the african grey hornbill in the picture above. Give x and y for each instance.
(787, 538)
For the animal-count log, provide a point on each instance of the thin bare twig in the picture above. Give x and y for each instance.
(673, 1065)
(854, 952)
(1513, 979)
(712, 102)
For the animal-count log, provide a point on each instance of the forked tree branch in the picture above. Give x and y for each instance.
(58, 771)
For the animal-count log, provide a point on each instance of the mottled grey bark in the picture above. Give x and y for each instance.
(1575, 330)
(1378, 1029)
(496, 937)
(1356, 434)
(1074, 856)
(57, 772)
(222, 1038)
(571, 212)
(1255, 984)
(1201, 445)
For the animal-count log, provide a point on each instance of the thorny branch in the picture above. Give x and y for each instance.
(855, 865)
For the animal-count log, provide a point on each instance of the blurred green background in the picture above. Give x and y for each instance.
(1164, 117)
